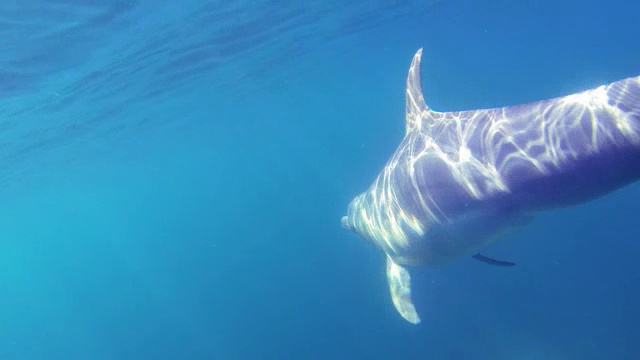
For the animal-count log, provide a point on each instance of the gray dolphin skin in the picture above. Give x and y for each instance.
(459, 180)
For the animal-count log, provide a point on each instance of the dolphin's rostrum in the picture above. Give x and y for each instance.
(459, 180)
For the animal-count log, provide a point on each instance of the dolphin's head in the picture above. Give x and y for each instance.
(378, 219)
(360, 218)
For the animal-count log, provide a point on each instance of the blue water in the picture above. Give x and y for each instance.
(172, 177)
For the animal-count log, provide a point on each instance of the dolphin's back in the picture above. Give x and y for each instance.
(546, 154)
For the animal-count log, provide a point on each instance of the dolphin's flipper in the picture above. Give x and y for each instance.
(491, 261)
(400, 287)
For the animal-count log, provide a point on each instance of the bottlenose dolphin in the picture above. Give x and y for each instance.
(459, 180)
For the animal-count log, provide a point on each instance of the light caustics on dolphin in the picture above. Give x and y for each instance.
(459, 180)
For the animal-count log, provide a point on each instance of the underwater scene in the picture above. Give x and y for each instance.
(419, 179)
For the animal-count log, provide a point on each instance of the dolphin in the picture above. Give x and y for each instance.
(460, 180)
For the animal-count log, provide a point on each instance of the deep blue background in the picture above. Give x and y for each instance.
(172, 176)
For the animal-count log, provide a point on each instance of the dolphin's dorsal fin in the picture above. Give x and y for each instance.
(400, 287)
(416, 108)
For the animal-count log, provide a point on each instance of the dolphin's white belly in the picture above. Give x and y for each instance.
(444, 242)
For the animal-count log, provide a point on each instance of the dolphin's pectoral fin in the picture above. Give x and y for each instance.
(400, 287)
(491, 261)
